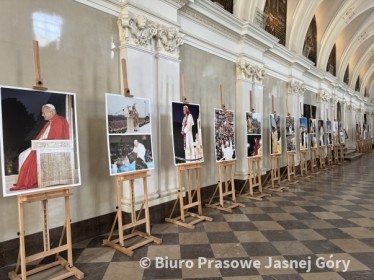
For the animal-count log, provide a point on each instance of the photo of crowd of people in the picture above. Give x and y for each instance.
(129, 153)
(254, 141)
(187, 135)
(313, 133)
(276, 140)
(28, 115)
(127, 115)
(129, 134)
(303, 136)
(224, 132)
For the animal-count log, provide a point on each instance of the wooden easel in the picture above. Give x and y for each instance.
(321, 155)
(341, 153)
(44, 197)
(254, 172)
(23, 260)
(226, 175)
(291, 168)
(313, 159)
(187, 169)
(329, 155)
(303, 163)
(136, 219)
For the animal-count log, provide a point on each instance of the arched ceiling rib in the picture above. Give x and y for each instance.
(367, 79)
(366, 57)
(346, 14)
(363, 33)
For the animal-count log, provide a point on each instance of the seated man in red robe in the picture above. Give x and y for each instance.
(56, 128)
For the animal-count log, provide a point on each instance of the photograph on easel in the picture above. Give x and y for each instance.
(128, 121)
(290, 134)
(129, 153)
(224, 135)
(329, 133)
(335, 131)
(303, 136)
(187, 135)
(275, 134)
(254, 141)
(39, 143)
(321, 133)
(313, 133)
(127, 115)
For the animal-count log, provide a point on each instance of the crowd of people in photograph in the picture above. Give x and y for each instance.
(224, 135)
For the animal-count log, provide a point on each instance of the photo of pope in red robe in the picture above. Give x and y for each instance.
(56, 128)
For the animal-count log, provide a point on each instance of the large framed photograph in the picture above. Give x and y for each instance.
(303, 136)
(39, 141)
(275, 134)
(290, 134)
(224, 135)
(187, 134)
(313, 133)
(128, 121)
(254, 141)
(321, 133)
(329, 133)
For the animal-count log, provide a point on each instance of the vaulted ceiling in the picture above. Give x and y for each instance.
(347, 24)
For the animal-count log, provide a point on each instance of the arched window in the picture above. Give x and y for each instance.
(346, 75)
(357, 87)
(276, 11)
(331, 63)
(310, 43)
(228, 5)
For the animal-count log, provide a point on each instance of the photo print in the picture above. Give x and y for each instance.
(290, 134)
(313, 133)
(275, 134)
(254, 141)
(129, 129)
(127, 115)
(42, 151)
(329, 133)
(303, 136)
(129, 153)
(224, 135)
(321, 133)
(187, 134)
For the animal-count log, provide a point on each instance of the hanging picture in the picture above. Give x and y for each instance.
(187, 137)
(342, 133)
(275, 135)
(224, 135)
(290, 134)
(128, 122)
(254, 141)
(313, 133)
(321, 133)
(39, 140)
(303, 136)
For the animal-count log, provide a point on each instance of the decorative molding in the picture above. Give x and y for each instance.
(169, 39)
(210, 23)
(296, 88)
(141, 32)
(349, 14)
(247, 71)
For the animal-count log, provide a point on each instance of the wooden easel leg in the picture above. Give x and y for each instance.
(119, 213)
(22, 239)
(146, 208)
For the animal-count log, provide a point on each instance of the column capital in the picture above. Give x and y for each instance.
(296, 88)
(248, 71)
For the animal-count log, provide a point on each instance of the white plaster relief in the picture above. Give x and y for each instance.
(137, 30)
(169, 39)
(296, 88)
(247, 71)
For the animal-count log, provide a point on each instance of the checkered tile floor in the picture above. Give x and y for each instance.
(330, 217)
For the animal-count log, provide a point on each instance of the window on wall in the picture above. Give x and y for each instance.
(310, 111)
(228, 5)
(331, 63)
(276, 11)
(310, 43)
(346, 75)
(357, 87)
